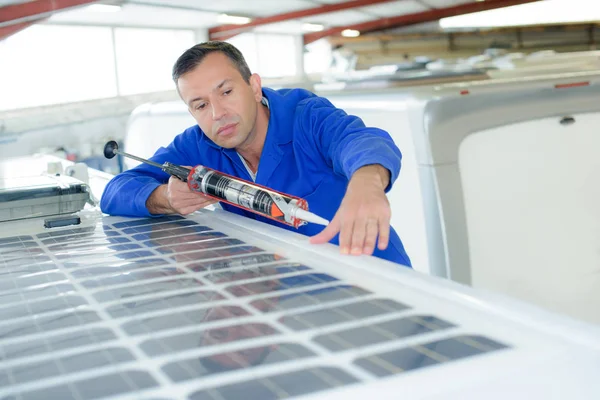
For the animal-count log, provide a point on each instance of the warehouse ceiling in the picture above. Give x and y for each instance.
(315, 19)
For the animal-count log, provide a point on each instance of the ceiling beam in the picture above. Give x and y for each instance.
(415, 18)
(35, 10)
(9, 30)
(224, 32)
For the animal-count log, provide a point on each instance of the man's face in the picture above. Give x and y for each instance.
(219, 99)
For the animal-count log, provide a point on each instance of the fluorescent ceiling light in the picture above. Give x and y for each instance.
(232, 19)
(350, 33)
(538, 13)
(103, 8)
(312, 27)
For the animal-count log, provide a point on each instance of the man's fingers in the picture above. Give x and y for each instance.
(371, 236)
(328, 233)
(358, 236)
(173, 181)
(384, 233)
(189, 197)
(184, 201)
(205, 199)
(346, 235)
(182, 190)
(187, 210)
(193, 204)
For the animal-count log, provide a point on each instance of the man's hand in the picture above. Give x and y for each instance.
(176, 198)
(363, 215)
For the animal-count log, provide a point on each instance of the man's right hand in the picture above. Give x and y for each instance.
(176, 198)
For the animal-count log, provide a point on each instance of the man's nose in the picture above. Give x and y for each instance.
(218, 111)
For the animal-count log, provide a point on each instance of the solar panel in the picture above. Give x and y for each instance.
(190, 308)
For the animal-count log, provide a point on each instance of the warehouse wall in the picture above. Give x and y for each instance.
(95, 76)
(81, 128)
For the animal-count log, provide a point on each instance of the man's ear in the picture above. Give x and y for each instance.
(256, 86)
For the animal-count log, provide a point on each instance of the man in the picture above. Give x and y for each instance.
(289, 140)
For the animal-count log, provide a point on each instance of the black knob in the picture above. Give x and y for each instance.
(109, 149)
(567, 120)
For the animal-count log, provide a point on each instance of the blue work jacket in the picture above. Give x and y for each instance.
(311, 150)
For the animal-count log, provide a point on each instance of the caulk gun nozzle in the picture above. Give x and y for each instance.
(310, 217)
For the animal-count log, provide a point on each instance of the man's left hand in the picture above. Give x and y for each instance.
(363, 218)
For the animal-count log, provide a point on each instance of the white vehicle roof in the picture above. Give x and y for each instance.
(217, 306)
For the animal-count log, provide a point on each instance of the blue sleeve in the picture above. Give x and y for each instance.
(344, 141)
(126, 193)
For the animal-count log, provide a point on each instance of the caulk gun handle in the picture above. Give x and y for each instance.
(176, 170)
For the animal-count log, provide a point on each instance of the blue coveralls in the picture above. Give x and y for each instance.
(311, 150)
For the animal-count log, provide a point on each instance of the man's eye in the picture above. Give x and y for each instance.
(200, 106)
(227, 92)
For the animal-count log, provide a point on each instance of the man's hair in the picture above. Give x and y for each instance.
(196, 54)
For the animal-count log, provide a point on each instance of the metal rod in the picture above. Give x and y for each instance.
(116, 151)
